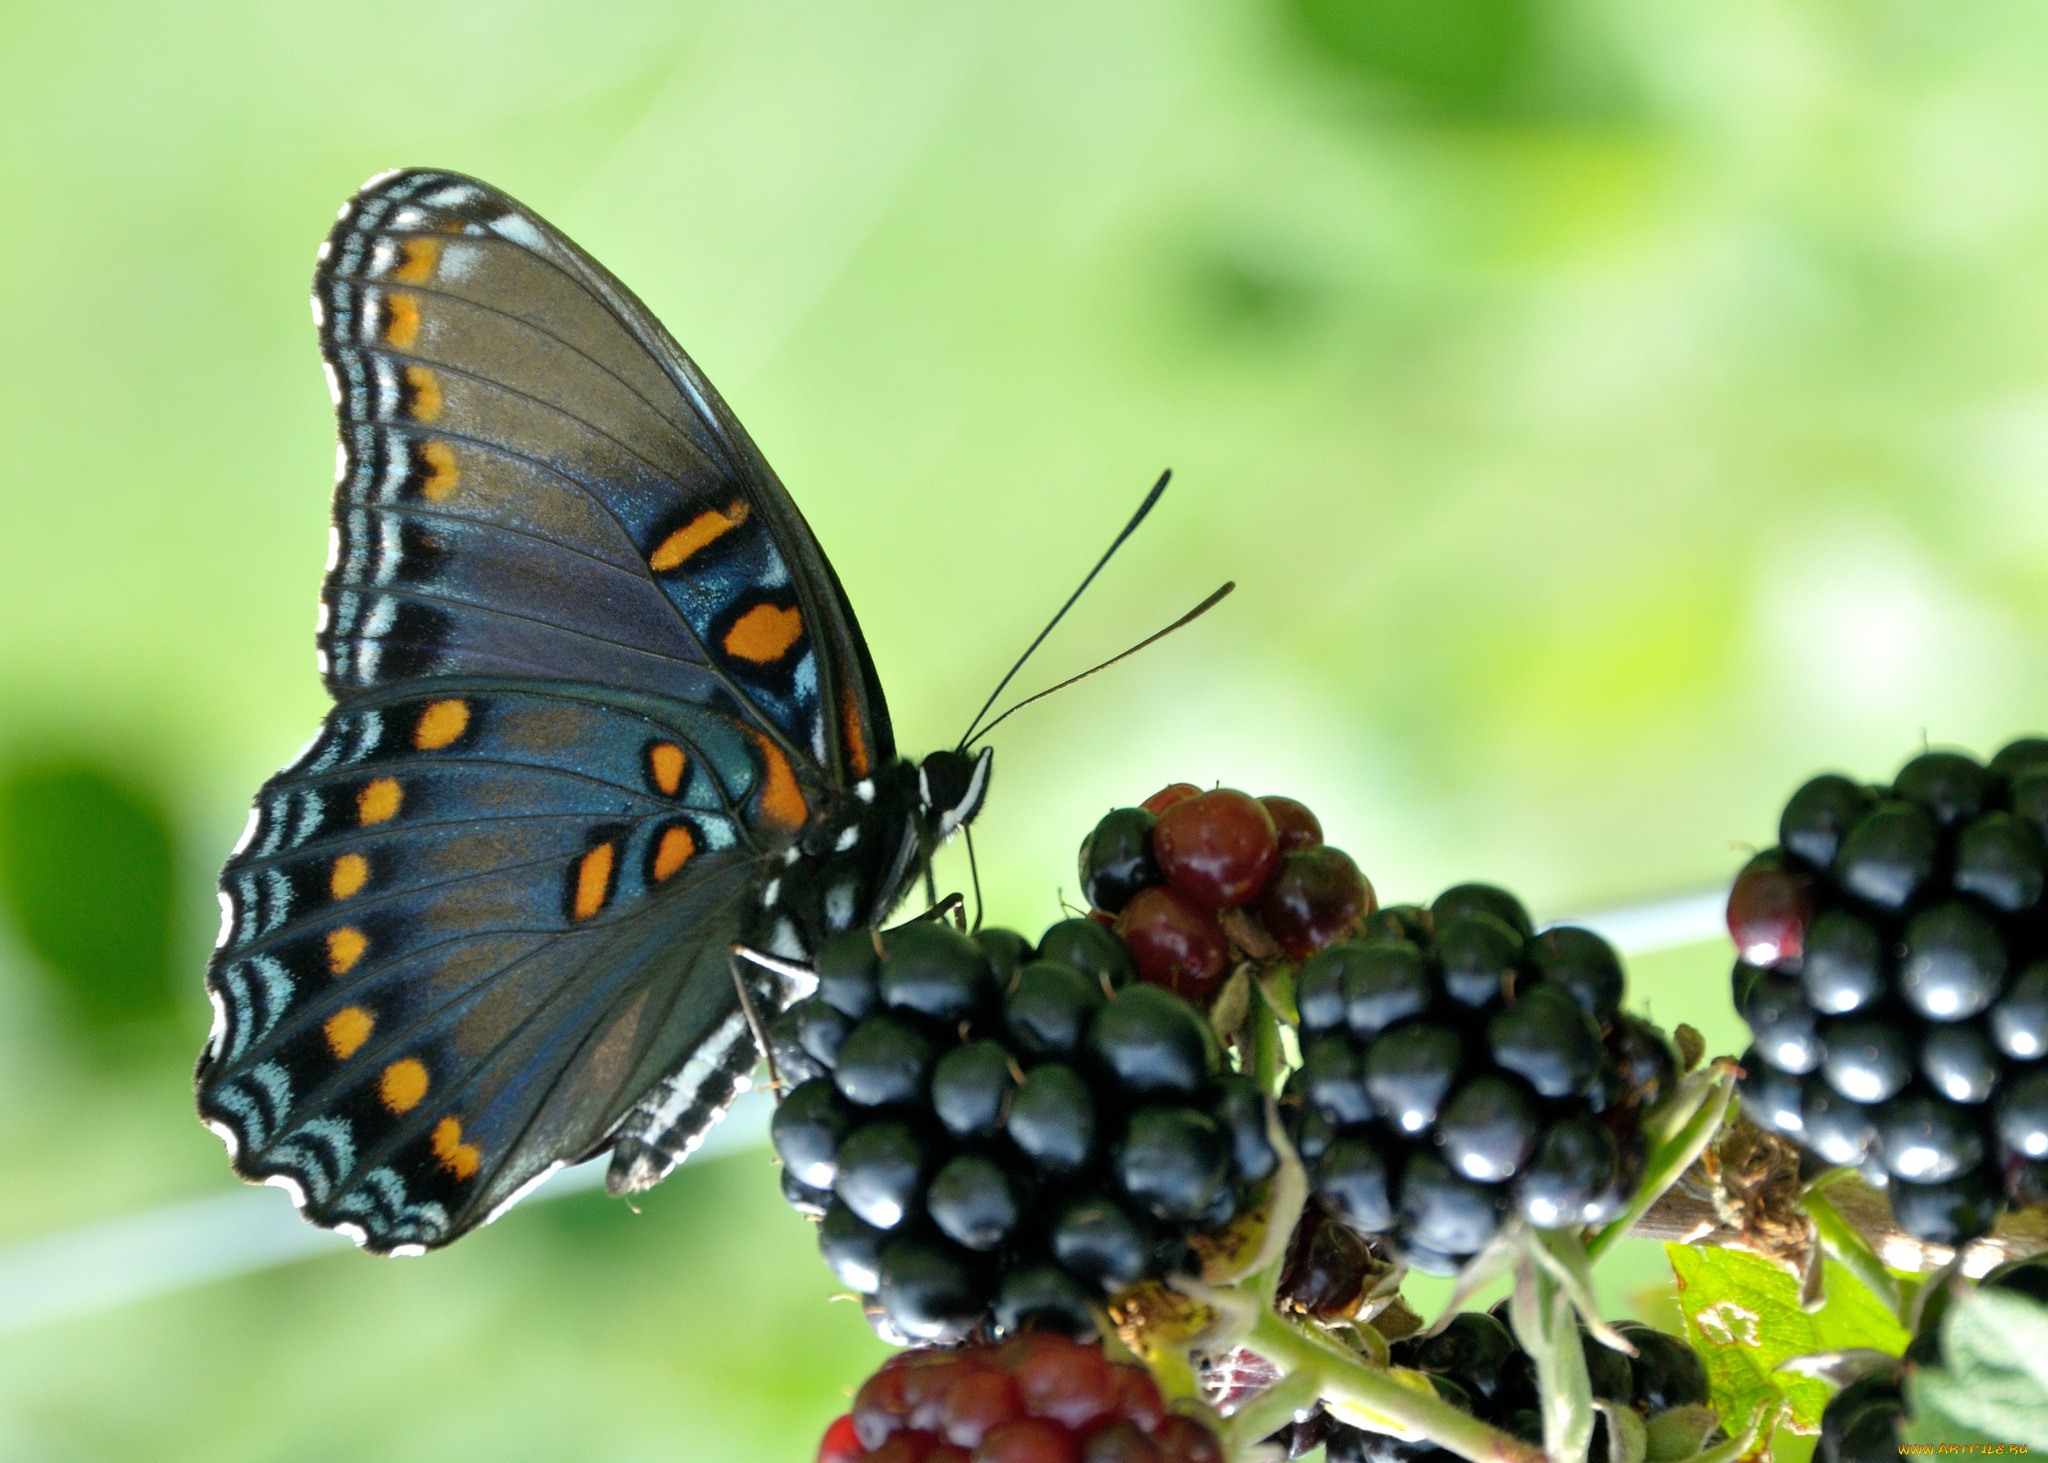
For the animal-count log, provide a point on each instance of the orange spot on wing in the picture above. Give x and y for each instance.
(593, 880)
(665, 763)
(458, 1157)
(764, 634)
(401, 320)
(780, 800)
(673, 852)
(856, 741)
(441, 723)
(347, 1029)
(421, 255)
(443, 475)
(345, 947)
(351, 872)
(378, 801)
(705, 528)
(403, 1084)
(426, 393)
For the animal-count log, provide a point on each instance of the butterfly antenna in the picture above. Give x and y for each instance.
(1129, 529)
(1187, 619)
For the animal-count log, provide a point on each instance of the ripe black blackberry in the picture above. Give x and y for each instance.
(1476, 1365)
(1891, 969)
(990, 1133)
(1457, 1066)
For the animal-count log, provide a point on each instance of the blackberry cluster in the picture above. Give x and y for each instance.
(1475, 1364)
(1166, 872)
(991, 1134)
(1456, 1065)
(1861, 1422)
(1036, 1398)
(1893, 969)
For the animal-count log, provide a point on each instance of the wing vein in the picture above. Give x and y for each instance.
(524, 322)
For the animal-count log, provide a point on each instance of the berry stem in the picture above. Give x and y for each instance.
(1268, 1412)
(1545, 1318)
(1342, 1377)
(1673, 1157)
(1266, 1055)
(1846, 1244)
(1174, 1374)
(1559, 1252)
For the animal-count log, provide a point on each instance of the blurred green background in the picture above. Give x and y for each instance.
(1610, 412)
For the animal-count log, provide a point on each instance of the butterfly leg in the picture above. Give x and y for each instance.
(739, 983)
(954, 905)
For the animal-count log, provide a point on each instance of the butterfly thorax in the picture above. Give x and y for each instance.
(858, 856)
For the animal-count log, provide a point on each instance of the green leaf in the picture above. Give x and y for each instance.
(1995, 1387)
(1742, 1315)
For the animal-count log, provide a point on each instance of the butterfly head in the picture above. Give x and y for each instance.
(951, 787)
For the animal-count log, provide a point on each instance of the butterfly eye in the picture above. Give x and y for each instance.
(952, 786)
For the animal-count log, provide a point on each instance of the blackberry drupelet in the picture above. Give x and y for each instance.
(994, 1135)
(1893, 971)
(1458, 1067)
(1860, 1424)
(1035, 1398)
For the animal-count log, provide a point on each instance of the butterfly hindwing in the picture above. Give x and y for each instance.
(466, 930)
(534, 480)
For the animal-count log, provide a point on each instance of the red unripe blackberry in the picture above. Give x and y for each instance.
(1295, 825)
(1166, 797)
(1769, 910)
(1218, 847)
(1176, 942)
(1315, 898)
(840, 1444)
(1036, 1398)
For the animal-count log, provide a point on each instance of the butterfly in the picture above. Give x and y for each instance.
(602, 715)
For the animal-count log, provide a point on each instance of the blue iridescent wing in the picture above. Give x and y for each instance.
(464, 931)
(534, 480)
(593, 674)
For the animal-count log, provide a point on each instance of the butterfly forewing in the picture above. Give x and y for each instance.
(534, 480)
